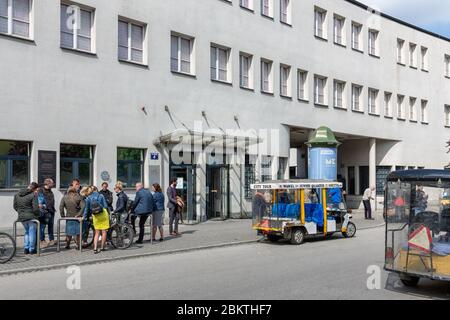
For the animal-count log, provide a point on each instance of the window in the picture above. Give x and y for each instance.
(285, 11)
(131, 41)
(400, 51)
(424, 58)
(75, 163)
(381, 178)
(412, 55)
(250, 165)
(302, 85)
(320, 23)
(282, 166)
(181, 56)
(320, 84)
(267, 8)
(220, 57)
(412, 109)
(373, 42)
(338, 94)
(447, 115)
(266, 76)
(387, 104)
(15, 17)
(247, 4)
(373, 105)
(339, 30)
(77, 28)
(246, 74)
(400, 107)
(356, 36)
(423, 111)
(447, 66)
(130, 166)
(356, 97)
(14, 164)
(285, 81)
(266, 168)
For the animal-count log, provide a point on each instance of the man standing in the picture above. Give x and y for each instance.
(108, 195)
(172, 205)
(367, 196)
(26, 205)
(50, 207)
(143, 206)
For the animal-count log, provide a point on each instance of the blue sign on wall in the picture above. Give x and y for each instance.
(154, 156)
(322, 164)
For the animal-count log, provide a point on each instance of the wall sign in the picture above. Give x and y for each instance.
(154, 156)
(105, 176)
(46, 165)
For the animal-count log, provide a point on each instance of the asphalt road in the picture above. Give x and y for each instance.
(325, 269)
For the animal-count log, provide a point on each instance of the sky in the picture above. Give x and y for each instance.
(432, 15)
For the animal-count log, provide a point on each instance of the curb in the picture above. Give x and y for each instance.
(137, 256)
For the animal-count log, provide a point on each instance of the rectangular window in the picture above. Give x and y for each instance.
(77, 28)
(423, 111)
(356, 36)
(412, 109)
(400, 51)
(387, 104)
(339, 30)
(373, 101)
(282, 165)
(131, 41)
(246, 76)
(320, 29)
(266, 168)
(130, 166)
(373, 42)
(356, 97)
(75, 163)
(266, 76)
(247, 4)
(302, 85)
(220, 63)
(181, 57)
(250, 165)
(412, 55)
(424, 58)
(15, 17)
(351, 180)
(447, 115)
(338, 93)
(285, 11)
(400, 107)
(14, 164)
(320, 84)
(267, 8)
(381, 177)
(285, 81)
(447, 66)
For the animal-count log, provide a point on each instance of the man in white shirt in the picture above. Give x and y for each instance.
(367, 196)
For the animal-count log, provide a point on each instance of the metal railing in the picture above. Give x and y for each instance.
(38, 238)
(58, 245)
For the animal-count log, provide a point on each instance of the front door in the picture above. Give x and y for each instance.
(217, 186)
(186, 190)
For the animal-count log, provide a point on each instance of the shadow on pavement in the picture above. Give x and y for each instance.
(426, 289)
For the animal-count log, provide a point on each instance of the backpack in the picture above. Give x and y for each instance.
(129, 205)
(96, 207)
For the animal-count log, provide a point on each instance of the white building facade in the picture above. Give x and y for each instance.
(110, 90)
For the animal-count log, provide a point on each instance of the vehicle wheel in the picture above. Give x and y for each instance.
(273, 238)
(297, 236)
(88, 235)
(409, 281)
(122, 236)
(7, 248)
(351, 230)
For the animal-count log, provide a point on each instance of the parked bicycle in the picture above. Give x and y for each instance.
(7, 248)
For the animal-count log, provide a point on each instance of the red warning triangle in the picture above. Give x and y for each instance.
(421, 239)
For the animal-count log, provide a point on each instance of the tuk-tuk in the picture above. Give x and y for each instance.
(417, 214)
(296, 209)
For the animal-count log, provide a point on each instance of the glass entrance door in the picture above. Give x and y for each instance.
(185, 176)
(217, 187)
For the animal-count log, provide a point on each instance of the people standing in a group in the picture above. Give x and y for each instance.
(49, 197)
(173, 208)
(95, 205)
(158, 214)
(122, 200)
(143, 206)
(26, 205)
(72, 206)
(367, 197)
(108, 195)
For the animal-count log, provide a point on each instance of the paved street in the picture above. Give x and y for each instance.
(325, 269)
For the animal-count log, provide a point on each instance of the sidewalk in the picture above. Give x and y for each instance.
(194, 237)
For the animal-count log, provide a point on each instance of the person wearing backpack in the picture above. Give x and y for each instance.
(96, 206)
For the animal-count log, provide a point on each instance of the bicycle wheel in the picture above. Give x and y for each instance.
(88, 235)
(121, 236)
(7, 248)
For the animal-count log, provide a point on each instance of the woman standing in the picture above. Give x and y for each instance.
(72, 206)
(158, 215)
(97, 207)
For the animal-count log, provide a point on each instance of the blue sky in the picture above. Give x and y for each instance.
(432, 15)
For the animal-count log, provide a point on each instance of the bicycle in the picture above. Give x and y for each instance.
(7, 248)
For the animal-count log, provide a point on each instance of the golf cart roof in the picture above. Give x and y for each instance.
(419, 175)
(295, 184)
